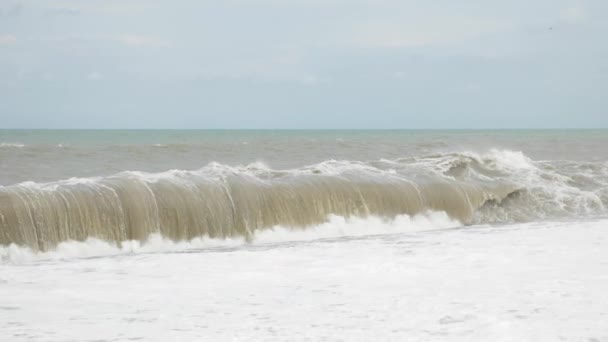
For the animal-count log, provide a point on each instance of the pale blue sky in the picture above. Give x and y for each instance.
(303, 64)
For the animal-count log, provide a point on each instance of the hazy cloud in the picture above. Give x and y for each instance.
(12, 11)
(397, 63)
(141, 40)
(573, 14)
(94, 76)
(7, 38)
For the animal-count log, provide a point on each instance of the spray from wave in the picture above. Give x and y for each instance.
(227, 203)
(335, 227)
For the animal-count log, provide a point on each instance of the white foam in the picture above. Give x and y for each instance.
(15, 145)
(525, 282)
(339, 226)
(507, 159)
(551, 190)
(335, 227)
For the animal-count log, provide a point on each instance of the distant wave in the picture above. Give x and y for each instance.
(228, 202)
(13, 145)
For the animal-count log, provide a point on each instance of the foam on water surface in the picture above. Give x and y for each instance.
(540, 281)
(335, 227)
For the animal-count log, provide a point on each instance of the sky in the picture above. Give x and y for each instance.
(303, 64)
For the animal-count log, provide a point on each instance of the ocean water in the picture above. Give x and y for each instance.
(303, 235)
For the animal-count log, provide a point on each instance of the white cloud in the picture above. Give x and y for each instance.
(396, 39)
(573, 15)
(132, 40)
(106, 7)
(48, 76)
(7, 38)
(139, 40)
(416, 33)
(94, 76)
(310, 79)
(400, 75)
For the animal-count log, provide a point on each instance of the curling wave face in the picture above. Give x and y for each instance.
(222, 202)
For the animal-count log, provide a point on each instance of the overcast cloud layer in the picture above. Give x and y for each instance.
(303, 64)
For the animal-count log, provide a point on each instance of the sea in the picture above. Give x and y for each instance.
(304, 235)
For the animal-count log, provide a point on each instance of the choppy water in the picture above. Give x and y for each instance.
(44, 156)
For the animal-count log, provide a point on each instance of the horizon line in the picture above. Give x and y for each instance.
(302, 129)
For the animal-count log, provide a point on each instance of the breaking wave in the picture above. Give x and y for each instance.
(335, 227)
(222, 202)
(11, 145)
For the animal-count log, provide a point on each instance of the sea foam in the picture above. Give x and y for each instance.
(335, 227)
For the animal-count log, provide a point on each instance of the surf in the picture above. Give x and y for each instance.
(226, 202)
